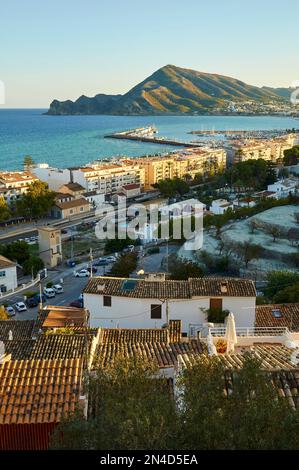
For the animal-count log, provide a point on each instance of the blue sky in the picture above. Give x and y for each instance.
(62, 49)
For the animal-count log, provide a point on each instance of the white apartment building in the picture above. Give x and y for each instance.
(54, 177)
(109, 178)
(13, 184)
(8, 275)
(150, 303)
(270, 149)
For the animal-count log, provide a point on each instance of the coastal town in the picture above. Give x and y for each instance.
(73, 305)
(149, 233)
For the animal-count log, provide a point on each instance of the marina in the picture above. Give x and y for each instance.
(146, 134)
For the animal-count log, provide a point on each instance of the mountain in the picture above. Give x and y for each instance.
(172, 90)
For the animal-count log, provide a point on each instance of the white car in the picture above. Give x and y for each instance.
(58, 289)
(82, 273)
(49, 292)
(21, 307)
(110, 259)
(10, 310)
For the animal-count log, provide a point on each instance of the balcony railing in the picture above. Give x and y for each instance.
(252, 331)
(196, 330)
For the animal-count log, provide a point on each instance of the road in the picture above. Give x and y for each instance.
(72, 286)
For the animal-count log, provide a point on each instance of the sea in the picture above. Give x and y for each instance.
(65, 141)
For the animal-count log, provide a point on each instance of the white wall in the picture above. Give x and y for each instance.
(135, 313)
(10, 278)
(54, 177)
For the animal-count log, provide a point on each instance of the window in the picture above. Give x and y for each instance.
(276, 313)
(216, 304)
(156, 311)
(107, 300)
(2, 273)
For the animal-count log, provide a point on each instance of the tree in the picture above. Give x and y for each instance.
(249, 251)
(273, 230)
(33, 265)
(28, 162)
(293, 236)
(253, 224)
(37, 201)
(291, 156)
(271, 175)
(296, 217)
(131, 408)
(17, 251)
(288, 295)
(279, 280)
(181, 269)
(239, 410)
(3, 313)
(4, 210)
(125, 265)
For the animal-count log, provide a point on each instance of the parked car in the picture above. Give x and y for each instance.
(129, 249)
(71, 263)
(21, 307)
(110, 259)
(58, 289)
(94, 270)
(77, 304)
(40, 298)
(101, 262)
(82, 273)
(10, 310)
(49, 292)
(32, 302)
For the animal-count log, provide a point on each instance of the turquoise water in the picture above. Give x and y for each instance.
(64, 141)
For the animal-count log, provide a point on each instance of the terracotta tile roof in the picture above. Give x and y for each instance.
(6, 263)
(141, 288)
(60, 346)
(73, 203)
(38, 391)
(19, 349)
(58, 317)
(171, 334)
(127, 187)
(164, 354)
(222, 287)
(272, 357)
(121, 336)
(21, 329)
(266, 316)
(73, 186)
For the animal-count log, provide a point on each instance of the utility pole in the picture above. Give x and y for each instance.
(90, 259)
(167, 311)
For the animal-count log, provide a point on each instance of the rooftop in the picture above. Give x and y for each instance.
(74, 203)
(194, 287)
(39, 391)
(284, 315)
(76, 187)
(57, 317)
(20, 329)
(6, 263)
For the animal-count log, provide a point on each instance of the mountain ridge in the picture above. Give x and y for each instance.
(173, 90)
